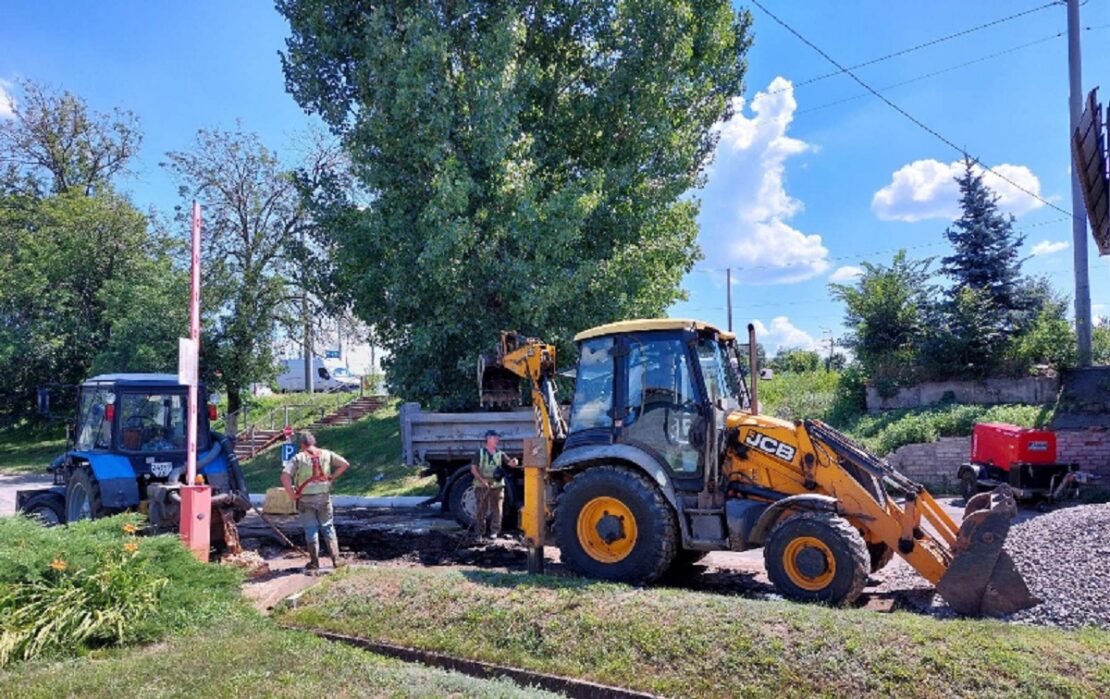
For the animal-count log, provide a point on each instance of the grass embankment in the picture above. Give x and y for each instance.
(29, 447)
(372, 445)
(210, 641)
(691, 644)
(818, 395)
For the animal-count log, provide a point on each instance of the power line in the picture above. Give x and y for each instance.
(933, 74)
(922, 45)
(917, 122)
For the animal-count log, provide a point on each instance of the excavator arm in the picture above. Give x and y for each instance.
(518, 357)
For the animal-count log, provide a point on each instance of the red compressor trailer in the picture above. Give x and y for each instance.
(1023, 458)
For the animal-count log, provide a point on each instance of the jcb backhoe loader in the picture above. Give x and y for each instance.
(665, 457)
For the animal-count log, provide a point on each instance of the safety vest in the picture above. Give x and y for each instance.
(313, 474)
(488, 463)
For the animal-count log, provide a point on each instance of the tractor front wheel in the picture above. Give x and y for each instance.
(817, 557)
(83, 496)
(612, 523)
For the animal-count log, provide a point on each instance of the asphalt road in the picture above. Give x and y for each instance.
(11, 483)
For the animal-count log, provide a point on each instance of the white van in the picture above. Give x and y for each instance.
(328, 376)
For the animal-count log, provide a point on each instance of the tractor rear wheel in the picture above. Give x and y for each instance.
(612, 523)
(817, 557)
(83, 496)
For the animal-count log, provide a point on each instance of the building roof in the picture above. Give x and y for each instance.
(644, 325)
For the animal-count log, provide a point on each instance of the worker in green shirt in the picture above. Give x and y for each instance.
(489, 486)
(307, 478)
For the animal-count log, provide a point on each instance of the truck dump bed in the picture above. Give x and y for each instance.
(428, 437)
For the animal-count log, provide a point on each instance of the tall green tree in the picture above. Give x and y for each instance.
(525, 164)
(887, 313)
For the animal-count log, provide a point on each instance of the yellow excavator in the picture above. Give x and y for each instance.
(665, 457)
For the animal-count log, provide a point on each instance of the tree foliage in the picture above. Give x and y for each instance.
(524, 163)
(796, 360)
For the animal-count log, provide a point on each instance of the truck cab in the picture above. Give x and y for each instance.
(127, 451)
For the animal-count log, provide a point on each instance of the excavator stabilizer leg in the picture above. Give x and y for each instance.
(982, 579)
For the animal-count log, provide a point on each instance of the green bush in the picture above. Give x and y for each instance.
(89, 584)
(885, 432)
(798, 395)
(1049, 340)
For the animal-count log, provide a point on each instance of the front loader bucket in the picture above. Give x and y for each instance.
(982, 579)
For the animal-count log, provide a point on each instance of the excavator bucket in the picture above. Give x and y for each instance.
(981, 579)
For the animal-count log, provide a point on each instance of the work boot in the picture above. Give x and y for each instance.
(333, 550)
(313, 557)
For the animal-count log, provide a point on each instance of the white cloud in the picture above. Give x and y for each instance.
(782, 335)
(1049, 247)
(926, 189)
(745, 207)
(7, 104)
(845, 273)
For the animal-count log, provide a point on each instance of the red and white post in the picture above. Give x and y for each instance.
(196, 500)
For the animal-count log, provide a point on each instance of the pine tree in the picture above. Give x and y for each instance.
(987, 249)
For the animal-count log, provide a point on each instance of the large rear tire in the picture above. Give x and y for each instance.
(612, 523)
(83, 496)
(817, 557)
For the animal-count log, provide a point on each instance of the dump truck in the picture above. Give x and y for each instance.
(126, 451)
(665, 457)
(444, 444)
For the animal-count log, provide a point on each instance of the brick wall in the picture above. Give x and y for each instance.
(935, 463)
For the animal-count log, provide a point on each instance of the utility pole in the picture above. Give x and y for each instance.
(308, 375)
(1078, 208)
(728, 295)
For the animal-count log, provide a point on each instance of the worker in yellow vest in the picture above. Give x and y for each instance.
(488, 472)
(307, 478)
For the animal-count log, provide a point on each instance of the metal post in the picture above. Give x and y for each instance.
(1078, 209)
(533, 516)
(196, 500)
(728, 295)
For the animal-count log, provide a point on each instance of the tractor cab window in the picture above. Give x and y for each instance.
(152, 422)
(94, 424)
(593, 388)
(662, 411)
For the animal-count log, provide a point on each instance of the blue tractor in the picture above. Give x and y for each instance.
(126, 451)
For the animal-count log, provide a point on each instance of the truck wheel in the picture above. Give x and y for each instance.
(817, 557)
(969, 484)
(880, 554)
(82, 496)
(613, 523)
(463, 501)
(47, 508)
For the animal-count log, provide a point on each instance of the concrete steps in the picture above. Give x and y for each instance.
(254, 441)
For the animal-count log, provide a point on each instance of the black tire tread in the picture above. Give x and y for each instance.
(849, 535)
(664, 524)
(96, 506)
(455, 496)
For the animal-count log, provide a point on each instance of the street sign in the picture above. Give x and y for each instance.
(186, 362)
(1090, 162)
(288, 451)
(332, 354)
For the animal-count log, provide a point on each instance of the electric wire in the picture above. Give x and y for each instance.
(917, 122)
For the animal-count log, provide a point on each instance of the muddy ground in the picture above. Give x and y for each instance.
(424, 537)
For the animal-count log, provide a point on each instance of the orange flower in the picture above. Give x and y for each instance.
(131, 546)
(58, 565)
(130, 528)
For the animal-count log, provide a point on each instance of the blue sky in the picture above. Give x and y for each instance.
(802, 190)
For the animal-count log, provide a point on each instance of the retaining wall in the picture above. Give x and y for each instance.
(935, 463)
(1035, 390)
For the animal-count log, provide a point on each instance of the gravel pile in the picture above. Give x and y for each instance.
(1064, 556)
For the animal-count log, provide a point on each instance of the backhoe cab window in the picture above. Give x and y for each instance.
(721, 381)
(152, 422)
(593, 388)
(662, 410)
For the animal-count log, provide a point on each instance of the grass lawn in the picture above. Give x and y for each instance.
(251, 657)
(30, 448)
(682, 643)
(372, 445)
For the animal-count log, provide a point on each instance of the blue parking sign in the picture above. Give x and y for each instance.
(288, 450)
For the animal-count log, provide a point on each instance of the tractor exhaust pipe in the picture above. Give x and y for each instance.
(753, 369)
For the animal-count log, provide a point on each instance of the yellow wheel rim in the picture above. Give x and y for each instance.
(809, 563)
(607, 529)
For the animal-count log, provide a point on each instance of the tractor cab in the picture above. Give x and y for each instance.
(662, 387)
(128, 450)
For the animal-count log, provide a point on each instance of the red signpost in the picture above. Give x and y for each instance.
(196, 500)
